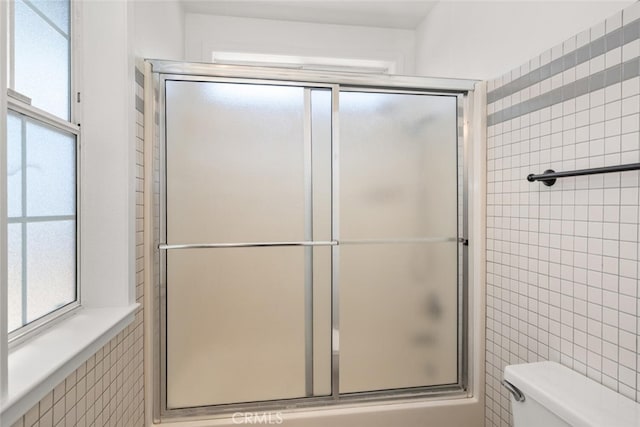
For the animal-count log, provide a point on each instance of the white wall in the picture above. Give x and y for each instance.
(484, 39)
(115, 33)
(108, 155)
(206, 33)
(159, 29)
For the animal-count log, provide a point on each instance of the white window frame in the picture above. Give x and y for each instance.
(20, 104)
(4, 339)
(34, 366)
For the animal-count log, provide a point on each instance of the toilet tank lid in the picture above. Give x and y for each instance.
(576, 399)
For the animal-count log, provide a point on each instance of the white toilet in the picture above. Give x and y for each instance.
(547, 394)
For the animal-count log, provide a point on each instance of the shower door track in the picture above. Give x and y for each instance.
(462, 89)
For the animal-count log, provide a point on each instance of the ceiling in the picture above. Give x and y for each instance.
(386, 14)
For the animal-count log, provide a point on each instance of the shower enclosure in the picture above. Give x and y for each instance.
(311, 239)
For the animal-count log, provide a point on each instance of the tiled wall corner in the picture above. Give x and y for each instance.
(108, 389)
(563, 261)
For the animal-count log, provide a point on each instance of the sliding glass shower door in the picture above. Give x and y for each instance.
(239, 159)
(398, 241)
(310, 242)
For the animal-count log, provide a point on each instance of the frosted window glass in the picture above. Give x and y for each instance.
(57, 11)
(235, 162)
(51, 161)
(14, 165)
(236, 325)
(14, 273)
(41, 64)
(51, 266)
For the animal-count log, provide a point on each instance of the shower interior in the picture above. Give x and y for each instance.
(311, 240)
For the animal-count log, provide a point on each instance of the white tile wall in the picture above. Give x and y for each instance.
(563, 261)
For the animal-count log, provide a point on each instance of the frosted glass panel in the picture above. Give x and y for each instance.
(51, 188)
(14, 275)
(51, 266)
(398, 316)
(398, 174)
(239, 168)
(236, 325)
(321, 156)
(41, 61)
(398, 301)
(235, 162)
(14, 165)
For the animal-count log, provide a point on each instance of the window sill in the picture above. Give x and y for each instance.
(38, 365)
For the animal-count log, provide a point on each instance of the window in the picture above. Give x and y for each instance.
(42, 141)
(319, 63)
(40, 59)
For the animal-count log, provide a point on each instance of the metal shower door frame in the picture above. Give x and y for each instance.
(461, 89)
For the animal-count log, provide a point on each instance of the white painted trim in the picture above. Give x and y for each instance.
(76, 61)
(4, 9)
(130, 121)
(67, 345)
(149, 125)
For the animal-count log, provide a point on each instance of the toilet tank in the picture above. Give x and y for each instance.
(556, 396)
